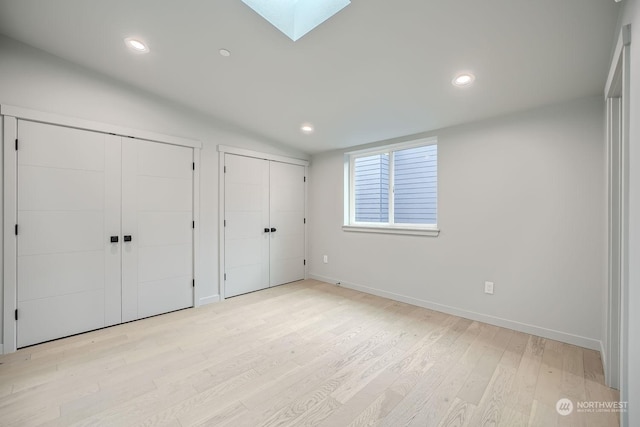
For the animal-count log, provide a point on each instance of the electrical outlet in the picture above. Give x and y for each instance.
(488, 288)
(325, 259)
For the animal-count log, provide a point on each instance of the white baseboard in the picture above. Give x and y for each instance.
(578, 340)
(208, 300)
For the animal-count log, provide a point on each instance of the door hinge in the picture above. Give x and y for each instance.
(193, 283)
(225, 276)
(304, 221)
(193, 224)
(225, 169)
(305, 179)
(224, 223)
(304, 262)
(16, 229)
(16, 314)
(16, 144)
(193, 165)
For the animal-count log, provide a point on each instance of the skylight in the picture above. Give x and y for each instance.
(296, 18)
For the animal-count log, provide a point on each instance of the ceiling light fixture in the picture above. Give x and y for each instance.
(306, 128)
(136, 45)
(463, 80)
(224, 52)
(296, 18)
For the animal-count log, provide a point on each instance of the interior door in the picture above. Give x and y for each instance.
(246, 231)
(68, 271)
(157, 228)
(286, 212)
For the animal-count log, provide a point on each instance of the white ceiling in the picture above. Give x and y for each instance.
(378, 69)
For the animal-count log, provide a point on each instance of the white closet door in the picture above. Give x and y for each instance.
(157, 215)
(68, 271)
(287, 218)
(246, 244)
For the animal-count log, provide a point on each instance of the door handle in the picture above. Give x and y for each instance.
(266, 230)
(114, 239)
(127, 238)
(273, 230)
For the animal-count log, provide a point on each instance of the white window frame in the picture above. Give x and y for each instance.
(350, 224)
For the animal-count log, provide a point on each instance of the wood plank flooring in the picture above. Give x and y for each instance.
(302, 354)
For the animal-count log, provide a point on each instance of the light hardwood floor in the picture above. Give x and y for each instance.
(302, 354)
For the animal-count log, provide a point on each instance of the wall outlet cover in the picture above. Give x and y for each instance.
(488, 288)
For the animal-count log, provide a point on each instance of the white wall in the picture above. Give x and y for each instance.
(631, 384)
(33, 79)
(521, 203)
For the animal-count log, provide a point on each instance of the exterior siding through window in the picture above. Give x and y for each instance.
(372, 188)
(415, 186)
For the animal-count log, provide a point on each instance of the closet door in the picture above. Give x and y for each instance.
(68, 271)
(286, 212)
(157, 215)
(246, 233)
(264, 224)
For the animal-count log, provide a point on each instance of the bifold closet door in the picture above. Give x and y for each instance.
(68, 271)
(157, 215)
(246, 235)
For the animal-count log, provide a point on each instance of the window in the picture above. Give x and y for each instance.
(393, 189)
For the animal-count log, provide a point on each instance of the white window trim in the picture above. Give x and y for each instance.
(385, 229)
(350, 224)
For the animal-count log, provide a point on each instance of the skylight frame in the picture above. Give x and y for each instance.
(295, 18)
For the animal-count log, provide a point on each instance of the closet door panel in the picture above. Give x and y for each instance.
(246, 197)
(51, 232)
(246, 215)
(287, 216)
(157, 214)
(244, 279)
(60, 147)
(244, 253)
(161, 262)
(244, 226)
(59, 316)
(160, 296)
(294, 222)
(53, 189)
(45, 276)
(164, 160)
(157, 228)
(163, 194)
(62, 245)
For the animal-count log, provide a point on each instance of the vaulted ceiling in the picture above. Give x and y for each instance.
(378, 69)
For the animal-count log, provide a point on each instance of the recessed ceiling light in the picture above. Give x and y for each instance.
(306, 128)
(136, 45)
(224, 52)
(463, 80)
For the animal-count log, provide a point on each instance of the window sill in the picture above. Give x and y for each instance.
(430, 232)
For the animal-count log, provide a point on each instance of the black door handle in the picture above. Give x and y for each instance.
(273, 230)
(127, 238)
(114, 239)
(266, 230)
